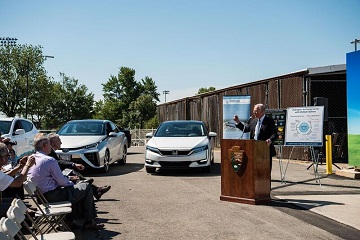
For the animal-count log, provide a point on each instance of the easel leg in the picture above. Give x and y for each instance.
(315, 165)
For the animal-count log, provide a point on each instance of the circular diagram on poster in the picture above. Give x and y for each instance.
(304, 128)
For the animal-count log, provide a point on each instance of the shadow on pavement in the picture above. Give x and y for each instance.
(189, 172)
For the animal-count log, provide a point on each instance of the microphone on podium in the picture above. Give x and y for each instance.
(249, 120)
(245, 125)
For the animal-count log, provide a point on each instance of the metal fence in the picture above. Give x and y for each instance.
(138, 136)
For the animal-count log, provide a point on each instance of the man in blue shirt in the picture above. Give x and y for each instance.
(56, 187)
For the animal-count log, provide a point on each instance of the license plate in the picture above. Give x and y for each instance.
(65, 157)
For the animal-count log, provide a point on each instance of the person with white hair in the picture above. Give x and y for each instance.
(8, 178)
(56, 187)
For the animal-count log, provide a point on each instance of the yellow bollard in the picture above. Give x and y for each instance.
(328, 146)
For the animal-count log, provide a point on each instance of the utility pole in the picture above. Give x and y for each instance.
(166, 92)
(356, 41)
(27, 84)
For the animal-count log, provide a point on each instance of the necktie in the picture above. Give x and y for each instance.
(257, 129)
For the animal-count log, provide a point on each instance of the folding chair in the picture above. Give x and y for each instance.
(10, 229)
(17, 215)
(48, 218)
(3, 236)
(41, 198)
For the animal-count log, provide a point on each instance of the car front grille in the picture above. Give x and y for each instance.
(174, 153)
(175, 164)
(93, 158)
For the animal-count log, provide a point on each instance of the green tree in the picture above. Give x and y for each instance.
(19, 65)
(71, 101)
(205, 90)
(140, 111)
(152, 123)
(148, 87)
(127, 102)
(41, 98)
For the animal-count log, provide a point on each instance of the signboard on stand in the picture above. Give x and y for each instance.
(235, 105)
(279, 117)
(304, 126)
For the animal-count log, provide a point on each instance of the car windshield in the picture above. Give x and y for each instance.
(181, 129)
(5, 127)
(82, 129)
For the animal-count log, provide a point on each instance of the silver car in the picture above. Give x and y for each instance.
(93, 143)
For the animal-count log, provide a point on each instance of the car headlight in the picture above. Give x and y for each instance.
(94, 145)
(152, 149)
(198, 149)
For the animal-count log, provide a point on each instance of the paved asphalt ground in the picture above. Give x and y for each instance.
(186, 205)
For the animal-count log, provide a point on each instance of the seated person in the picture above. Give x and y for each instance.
(6, 179)
(12, 192)
(56, 187)
(75, 176)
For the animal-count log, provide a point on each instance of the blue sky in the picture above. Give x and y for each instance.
(183, 45)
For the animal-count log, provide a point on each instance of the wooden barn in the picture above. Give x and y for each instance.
(312, 86)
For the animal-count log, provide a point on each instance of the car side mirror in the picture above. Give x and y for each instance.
(112, 134)
(149, 135)
(19, 132)
(212, 134)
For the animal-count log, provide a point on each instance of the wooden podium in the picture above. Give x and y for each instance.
(251, 183)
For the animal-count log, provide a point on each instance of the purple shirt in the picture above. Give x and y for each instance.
(47, 174)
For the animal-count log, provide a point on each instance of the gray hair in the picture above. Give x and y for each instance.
(3, 149)
(39, 140)
(261, 106)
(53, 136)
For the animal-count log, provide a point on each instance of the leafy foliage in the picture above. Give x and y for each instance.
(70, 101)
(205, 90)
(135, 101)
(19, 65)
(51, 103)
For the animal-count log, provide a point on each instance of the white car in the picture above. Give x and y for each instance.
(180, 144)
(20, 131)
(93, 143)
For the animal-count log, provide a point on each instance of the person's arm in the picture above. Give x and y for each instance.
(240, 125)
(273, 132)
(65, 164)
(18, 181)
(18, 167)
(57, 174)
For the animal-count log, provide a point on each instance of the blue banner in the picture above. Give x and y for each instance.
(353, 110)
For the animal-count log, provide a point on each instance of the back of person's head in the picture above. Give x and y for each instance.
(52, 137)
(3, 149)
(39, 139)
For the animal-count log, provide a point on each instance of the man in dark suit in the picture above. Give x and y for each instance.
(74, 176)
(261, 127)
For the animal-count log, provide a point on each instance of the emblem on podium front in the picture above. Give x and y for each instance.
(236, 156)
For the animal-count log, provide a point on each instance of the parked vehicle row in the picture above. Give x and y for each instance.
(99, 143)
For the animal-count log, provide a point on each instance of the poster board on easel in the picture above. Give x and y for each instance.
(304, 126)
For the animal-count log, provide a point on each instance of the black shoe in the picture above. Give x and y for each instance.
(100, 191)
(93, 226)
(90, 181)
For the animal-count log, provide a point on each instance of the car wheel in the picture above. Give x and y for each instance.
(150, 169)
(106, 162)
(123, 160)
